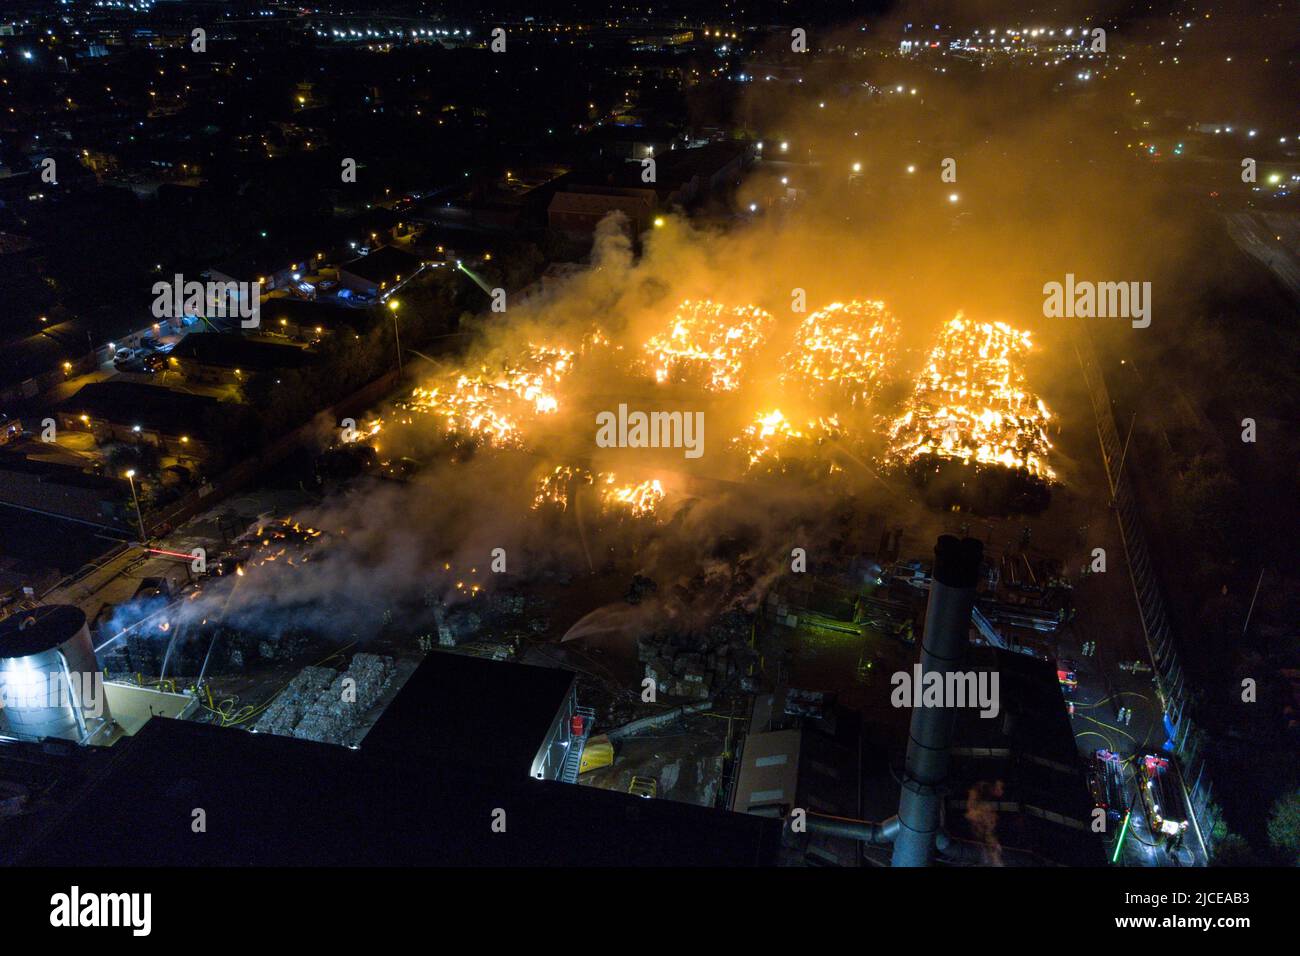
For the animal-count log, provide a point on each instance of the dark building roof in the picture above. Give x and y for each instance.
(707, 160)
(39, 630)
(43, 351)
(55, 472)
(383, 265)
(273, 800)
(232, 350)
(152, 407)
(469, 701)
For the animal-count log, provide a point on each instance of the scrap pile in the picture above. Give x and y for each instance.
(325, 705)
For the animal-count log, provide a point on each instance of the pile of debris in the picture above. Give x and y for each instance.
(696, 665)
(508, 614)
(325, 705)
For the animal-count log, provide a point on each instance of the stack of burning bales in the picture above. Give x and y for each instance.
(971, 421)
(972, 414)
(161, 647)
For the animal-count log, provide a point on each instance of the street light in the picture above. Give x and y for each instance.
(130, 477)
(394, 305)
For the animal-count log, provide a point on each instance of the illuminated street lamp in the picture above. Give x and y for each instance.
(130, 477)
(394, 305)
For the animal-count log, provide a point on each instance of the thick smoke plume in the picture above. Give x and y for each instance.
(848, 204)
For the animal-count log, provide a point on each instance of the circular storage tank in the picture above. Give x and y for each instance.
(49, 678)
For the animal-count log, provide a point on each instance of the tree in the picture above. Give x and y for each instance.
(1232, 850)
(1284, 826)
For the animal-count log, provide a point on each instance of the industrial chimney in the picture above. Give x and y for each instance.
(943, 649)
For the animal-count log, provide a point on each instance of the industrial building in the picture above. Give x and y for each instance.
(57, 488)
(528, 712)
(462, 774)
(576, 211)
(968, 789)
(462, 760)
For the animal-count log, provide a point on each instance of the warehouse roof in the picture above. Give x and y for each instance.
(42, 351)
(233, 350)
(271, 800)
(470, 700)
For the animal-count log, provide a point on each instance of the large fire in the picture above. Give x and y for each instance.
(843, 351)
(841, 355)
(491, 405)
(639, 498)
(771, 437)
(708, 341)
(972, 403)
(636, 498)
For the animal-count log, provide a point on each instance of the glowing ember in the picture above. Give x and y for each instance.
(553, 489)
(771, 435)
(640, 498)
(971, 403)
(637, 498)
(708, 341)
(841, 351)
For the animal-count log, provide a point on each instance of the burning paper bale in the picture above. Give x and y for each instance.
(842, 352)
(972, 404)
(638, 498)
(709, 343)
(490, 406)
(772, 440)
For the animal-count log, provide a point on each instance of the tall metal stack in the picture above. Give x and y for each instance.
(943, 649)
